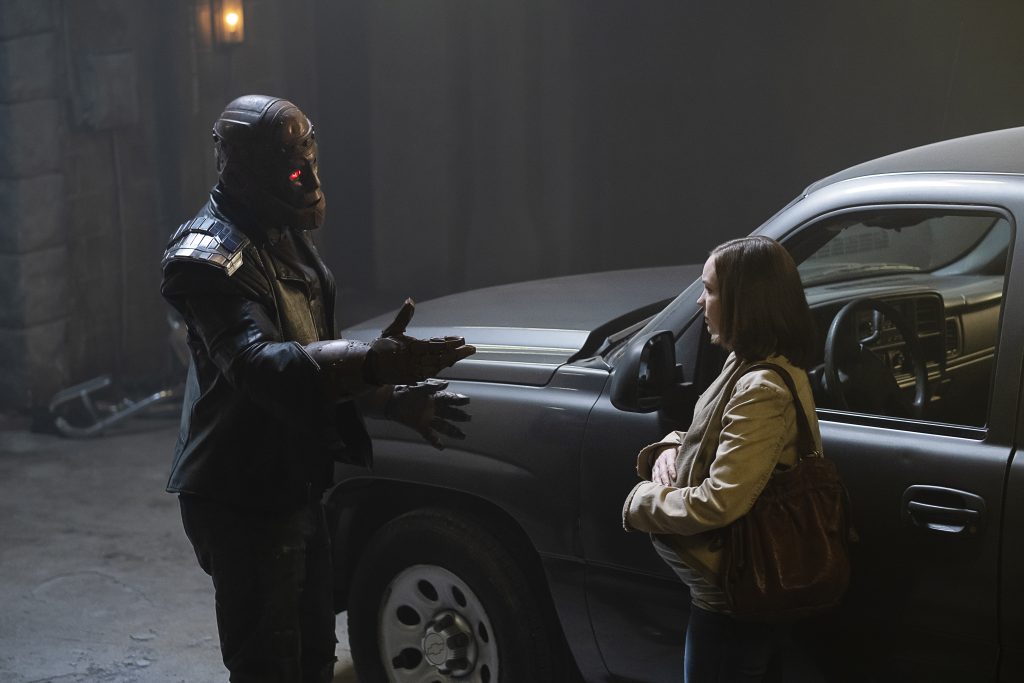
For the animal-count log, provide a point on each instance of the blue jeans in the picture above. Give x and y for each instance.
(720, 649)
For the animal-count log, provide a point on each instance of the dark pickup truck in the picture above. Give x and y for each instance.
(503, 558)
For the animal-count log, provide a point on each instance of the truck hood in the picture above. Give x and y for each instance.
(524, 331)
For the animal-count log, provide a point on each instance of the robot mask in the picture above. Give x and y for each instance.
(267, 157)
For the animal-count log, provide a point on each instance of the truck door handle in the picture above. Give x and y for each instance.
(943, 510)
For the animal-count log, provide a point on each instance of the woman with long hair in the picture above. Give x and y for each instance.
(744, 426)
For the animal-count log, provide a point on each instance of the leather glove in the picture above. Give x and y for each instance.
(342, 367)
(396, 358)
(428, 409)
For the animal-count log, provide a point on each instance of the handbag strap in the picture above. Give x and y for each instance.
(805, 439)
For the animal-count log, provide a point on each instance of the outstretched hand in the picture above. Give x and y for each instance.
(401, 321)
(429, 409)
(400, 359)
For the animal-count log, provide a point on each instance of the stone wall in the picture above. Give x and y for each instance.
(113, 200)
(34, 252)
(463, 144)
(93, 102)
(105, 115)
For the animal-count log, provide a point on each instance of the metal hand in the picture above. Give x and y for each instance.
(396, 358)
(430, 410)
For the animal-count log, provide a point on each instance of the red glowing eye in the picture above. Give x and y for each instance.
(294, 175)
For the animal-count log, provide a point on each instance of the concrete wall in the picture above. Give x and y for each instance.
(512, 139)
(463, 143)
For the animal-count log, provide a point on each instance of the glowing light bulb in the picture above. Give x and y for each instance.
(231, 19)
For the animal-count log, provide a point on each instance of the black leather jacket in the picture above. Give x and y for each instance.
(255, 429)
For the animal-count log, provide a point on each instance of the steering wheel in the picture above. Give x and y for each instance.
(855, 378)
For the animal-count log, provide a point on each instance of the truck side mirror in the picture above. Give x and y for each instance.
(644, 374)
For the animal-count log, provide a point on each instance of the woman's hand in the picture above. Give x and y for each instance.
(664, 470)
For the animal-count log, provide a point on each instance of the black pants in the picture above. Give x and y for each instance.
(722, 649)
(274, 590)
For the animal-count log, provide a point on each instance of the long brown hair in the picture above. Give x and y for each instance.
(763, 306)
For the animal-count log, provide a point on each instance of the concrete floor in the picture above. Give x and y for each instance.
(97, 579)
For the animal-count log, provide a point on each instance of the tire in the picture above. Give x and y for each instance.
(436, 598)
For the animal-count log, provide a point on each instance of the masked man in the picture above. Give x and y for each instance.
(273, 398)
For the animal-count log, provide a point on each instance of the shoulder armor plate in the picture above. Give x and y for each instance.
(207, 240)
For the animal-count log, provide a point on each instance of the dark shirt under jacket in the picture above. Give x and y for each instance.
(255, 430)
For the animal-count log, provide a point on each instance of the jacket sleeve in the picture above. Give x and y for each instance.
(244, 341)
(755, 424)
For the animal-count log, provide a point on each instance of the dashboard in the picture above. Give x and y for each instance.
(956, 320)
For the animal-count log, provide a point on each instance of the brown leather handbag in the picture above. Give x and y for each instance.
(789, 556)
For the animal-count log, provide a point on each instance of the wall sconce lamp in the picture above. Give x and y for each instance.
(228, 19)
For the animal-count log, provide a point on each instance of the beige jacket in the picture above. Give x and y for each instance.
(724, 460)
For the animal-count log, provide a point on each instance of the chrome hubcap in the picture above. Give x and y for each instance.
(449, 645)
(433, 629)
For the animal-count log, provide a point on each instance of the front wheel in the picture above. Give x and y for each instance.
(436, 598)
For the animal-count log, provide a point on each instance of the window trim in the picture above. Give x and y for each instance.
(902, 424)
